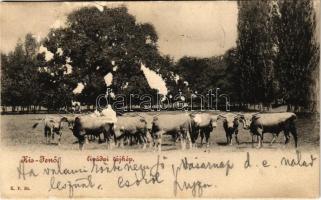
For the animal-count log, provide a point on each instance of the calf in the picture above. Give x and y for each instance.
(171, 124)
(274, 123)
(203, 124)
(52, 125)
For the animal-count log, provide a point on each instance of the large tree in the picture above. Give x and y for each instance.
(193, 70)
(31, 88)
(97, 42)
(256, 49)
(5, 81)
(298, 51)
(20, 86)
(231, 78)
(202, 76)
(14, 77)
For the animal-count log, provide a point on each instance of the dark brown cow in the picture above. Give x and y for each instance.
(230, 125)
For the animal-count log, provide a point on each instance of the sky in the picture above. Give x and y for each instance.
(200, 29)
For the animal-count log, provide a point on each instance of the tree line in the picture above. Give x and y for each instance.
(275, 55)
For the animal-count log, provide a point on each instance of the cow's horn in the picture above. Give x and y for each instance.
(61, 115)
(139, 115)
(221, 116)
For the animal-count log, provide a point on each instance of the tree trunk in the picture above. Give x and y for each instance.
(289, 108)
(312, 107)
(269, 107)
(261, 107)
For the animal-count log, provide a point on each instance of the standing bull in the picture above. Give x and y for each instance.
(52, 125)
(203, 124)
(171, 124)
(230, 125)
(131, 126)
(274, 123)
(90, 125)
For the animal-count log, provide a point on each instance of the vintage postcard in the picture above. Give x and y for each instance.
(186, 99)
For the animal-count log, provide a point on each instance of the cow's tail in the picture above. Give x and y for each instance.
(35, 125)
(293, 117)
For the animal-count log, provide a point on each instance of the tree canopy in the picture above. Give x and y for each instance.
(275, 55)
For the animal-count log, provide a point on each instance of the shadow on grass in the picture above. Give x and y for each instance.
(52, 144)
(171, 149)
(168, 144)
(222, 143)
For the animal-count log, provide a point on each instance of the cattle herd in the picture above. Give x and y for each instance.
(148, 130)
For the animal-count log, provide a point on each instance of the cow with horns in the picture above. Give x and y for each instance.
(179, 124)
(203, 124)
(230, 125)
(86, 125)
(260, 123)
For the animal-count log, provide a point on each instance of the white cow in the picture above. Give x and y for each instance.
(171, 124)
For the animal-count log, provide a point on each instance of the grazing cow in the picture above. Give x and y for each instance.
(170, 124)
(230, 125)
(274, 123)
(203, 124)
(52, 125)
(131, 126)
(90, 125)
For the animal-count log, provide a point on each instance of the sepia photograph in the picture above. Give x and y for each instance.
(154, 99)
